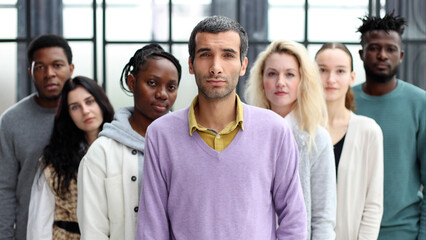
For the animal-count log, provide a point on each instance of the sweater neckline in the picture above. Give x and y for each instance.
(212, 152)
(386, 96)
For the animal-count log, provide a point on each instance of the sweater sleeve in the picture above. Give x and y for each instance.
(421, 155)
(373, 207)
(41, 210)
(92, 210)
(287, 192)
(323, 188)
(152, 217)
(9, 171)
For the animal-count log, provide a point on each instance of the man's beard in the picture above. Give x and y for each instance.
(215, 94)
(380, 77)
(41, 95)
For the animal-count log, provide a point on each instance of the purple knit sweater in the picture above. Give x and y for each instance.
(192, 192)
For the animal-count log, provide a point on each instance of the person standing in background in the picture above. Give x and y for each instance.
(400, 110)
(285, 80)
(82, 111)
(110, 174)
(25, 130)
(358, 149)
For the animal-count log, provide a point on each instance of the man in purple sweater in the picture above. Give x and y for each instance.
(220, 169)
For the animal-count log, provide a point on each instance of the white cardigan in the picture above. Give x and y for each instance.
(360, 181)
(108, 196)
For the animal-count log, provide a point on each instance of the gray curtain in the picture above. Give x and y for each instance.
(35, 17)
(412, 68)
(253, 16)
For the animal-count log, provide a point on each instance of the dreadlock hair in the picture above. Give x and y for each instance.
(388, 23)
(67, 143)
(150, 51)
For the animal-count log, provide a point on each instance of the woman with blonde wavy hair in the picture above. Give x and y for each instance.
(285, 80)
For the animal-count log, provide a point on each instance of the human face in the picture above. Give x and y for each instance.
(216, 64)
(381, 54)
(281, 78)
(84, 110)
(336, 75)
(154, 88)
(50, 70)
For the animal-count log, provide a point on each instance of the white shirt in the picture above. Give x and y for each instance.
(41, 210)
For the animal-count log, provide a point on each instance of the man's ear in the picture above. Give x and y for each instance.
(131, 82)
(71, 69)
(361, 54)
(191, 69)
(244, 67)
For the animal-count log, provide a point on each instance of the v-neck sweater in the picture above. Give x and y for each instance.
(191, 191)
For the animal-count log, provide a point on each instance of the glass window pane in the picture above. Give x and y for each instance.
(382, 8)
(187, 14)
(130, 20)
(82, 58)
(76, 17)
(358, 64)
(160, 16)
(10, 17)
(117, 56)
(76, 2)
(8, 2)
(187, 86)
(286, 23)
(286, 2)
(339, 3)
(335, 20)
(8, 77)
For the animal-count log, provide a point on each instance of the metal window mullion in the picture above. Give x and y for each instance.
(104, 46)
(95, 42)
(305, 41)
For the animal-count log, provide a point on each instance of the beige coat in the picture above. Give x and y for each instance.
(360, 181)
(108, 196)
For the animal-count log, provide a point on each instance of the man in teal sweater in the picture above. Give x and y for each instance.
(400, 110)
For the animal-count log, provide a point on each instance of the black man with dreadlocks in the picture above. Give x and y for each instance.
(400, 110)
(110, 173)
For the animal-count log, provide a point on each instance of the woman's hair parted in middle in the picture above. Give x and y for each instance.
(309, 108)
(350, 96)
(67, 143)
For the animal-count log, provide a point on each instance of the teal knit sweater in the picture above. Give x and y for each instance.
(402, 116)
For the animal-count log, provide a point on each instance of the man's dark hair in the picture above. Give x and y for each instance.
(45, 41)
(217, 24)
(388, 23)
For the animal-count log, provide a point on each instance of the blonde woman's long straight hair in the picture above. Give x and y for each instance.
(310, 108)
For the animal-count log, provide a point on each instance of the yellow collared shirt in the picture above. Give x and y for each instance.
(217, 141)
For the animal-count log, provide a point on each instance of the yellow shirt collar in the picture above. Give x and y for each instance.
(193, 125)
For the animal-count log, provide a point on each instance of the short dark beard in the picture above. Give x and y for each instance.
(54, 98)
(380, 78)
(42, 96)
